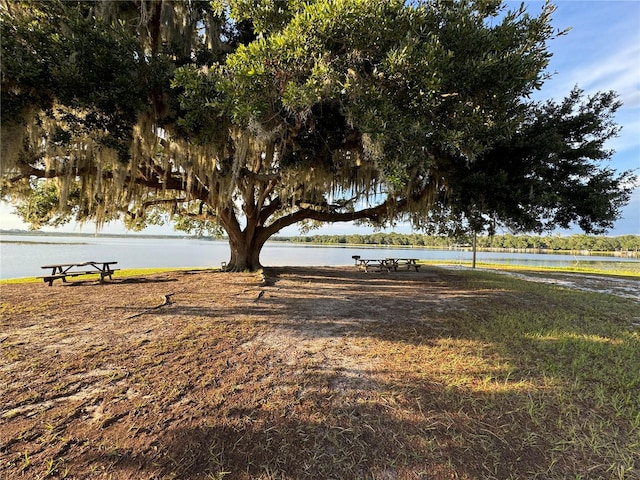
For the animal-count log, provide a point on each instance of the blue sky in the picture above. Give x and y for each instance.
(600, 53)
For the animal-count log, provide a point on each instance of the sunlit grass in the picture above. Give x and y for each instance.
(124, 273)
(546, 370)
(613, 268)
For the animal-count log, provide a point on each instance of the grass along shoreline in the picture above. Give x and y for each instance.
(616, 269)
(122, 273)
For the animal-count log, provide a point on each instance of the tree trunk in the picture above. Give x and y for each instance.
(245, 252)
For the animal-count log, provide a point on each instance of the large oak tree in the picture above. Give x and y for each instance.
(252, 116)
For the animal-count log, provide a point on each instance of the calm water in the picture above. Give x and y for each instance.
(22, 256)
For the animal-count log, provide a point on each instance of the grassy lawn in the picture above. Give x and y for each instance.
(620, 269)
(327, 374)
(556, 370)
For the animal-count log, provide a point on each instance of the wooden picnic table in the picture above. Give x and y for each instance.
(64, 270)
(386, 264)
(381, 265)
(408, 262)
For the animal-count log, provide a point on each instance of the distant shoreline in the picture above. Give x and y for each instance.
(342, 241)
(88, 235)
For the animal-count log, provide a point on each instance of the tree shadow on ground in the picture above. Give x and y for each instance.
(334, 373)
(396, 429)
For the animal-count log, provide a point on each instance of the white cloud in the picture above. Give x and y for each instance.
(620, 71)
(629, 137)
(601, 52)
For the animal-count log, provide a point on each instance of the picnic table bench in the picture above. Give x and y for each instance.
(380, 265)
(64, 270)
(386, 264)
(407, 262)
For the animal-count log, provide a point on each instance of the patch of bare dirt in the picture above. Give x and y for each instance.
(193, 375)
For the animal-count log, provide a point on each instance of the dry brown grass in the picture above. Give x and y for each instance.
(331, 373)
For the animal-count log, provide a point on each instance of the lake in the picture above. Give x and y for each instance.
(23, 255)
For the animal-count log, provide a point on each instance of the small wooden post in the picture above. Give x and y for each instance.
(473, 263)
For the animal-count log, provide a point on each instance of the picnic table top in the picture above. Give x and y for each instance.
(393, 259)
(81, 264)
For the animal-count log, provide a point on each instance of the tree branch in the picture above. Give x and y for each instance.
(373, 213)
(198, 192)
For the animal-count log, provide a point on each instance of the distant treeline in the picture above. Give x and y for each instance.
(569, 243)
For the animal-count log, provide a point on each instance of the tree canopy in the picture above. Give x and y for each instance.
(252, 116)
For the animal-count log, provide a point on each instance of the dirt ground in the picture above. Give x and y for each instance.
(212, 375)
